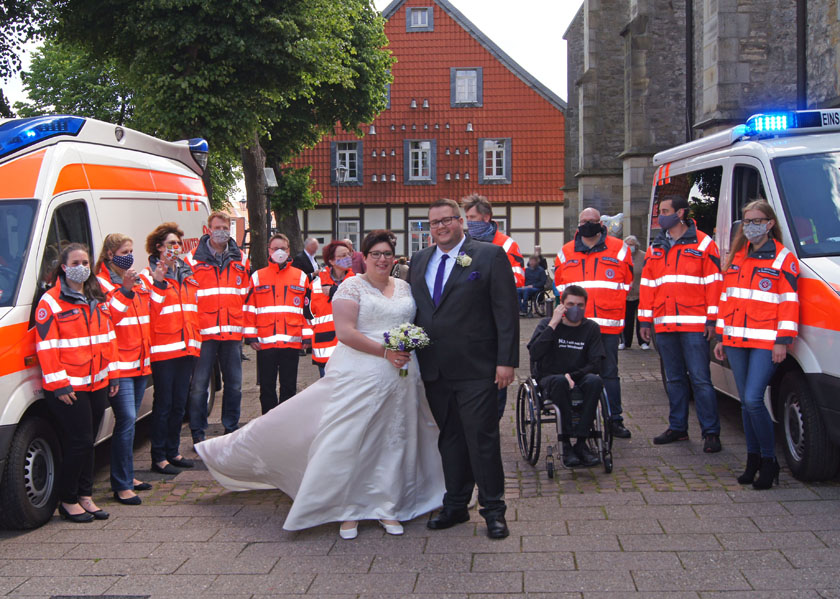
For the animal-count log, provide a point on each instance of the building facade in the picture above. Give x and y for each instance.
(462, 117)
(646, 75)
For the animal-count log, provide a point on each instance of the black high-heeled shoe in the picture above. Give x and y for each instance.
(768, 473)
(83, 517)
(143, 487)
(753, 464)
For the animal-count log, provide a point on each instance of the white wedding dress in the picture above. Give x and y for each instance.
(358, 444)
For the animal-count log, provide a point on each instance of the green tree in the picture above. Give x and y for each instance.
(20, 21)
(5, 109)
(294, 192)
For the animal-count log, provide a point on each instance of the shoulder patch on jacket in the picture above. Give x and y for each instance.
(67, 314)
(297, 288)
(768, 272)
(262, 288)
(610, 259)
(693, 252)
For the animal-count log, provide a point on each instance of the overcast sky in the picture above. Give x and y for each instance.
(530, 31)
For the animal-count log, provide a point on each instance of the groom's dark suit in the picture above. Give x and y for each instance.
(474, 328)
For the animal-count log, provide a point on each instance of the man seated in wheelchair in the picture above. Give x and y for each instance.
(535, 279)
(566, 356)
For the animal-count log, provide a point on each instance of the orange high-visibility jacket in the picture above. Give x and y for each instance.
(75, 341)
(759, 305)
(680, 286)
(324, 339)
(222, 290)
(605, 271)
(130, 315)
(277, 306)
(173, 312)
(511, 248)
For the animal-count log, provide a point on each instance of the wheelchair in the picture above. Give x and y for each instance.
(533, 410)
(541, 304)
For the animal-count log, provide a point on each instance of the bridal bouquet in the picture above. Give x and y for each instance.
(406, 337)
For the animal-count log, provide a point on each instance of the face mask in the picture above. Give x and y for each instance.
(220, 236)
(589, 229)
(77, 274)
(479, 228)
(280, 256)
(632, 249)
(574, 314)
(172, 252)
(666, 221)
(123, 262)
(345, 262)
(754, 232)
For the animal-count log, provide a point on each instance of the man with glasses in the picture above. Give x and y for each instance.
(466, 302)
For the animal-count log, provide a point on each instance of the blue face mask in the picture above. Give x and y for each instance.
(345, 262)
(123, 262)
(479, 228)
(666, 221)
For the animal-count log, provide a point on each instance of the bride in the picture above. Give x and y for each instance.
(359, 443)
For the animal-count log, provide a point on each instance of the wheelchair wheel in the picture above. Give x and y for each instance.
(528, 423)
(605, 439)
(541, 301)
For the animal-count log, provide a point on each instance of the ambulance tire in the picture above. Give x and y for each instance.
(28, 491)
(809, 452)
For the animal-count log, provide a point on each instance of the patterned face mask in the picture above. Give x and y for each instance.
(345, 262)
(77, 274)
(479, 228)
(220, 236)
(754, 232)
(123, 262)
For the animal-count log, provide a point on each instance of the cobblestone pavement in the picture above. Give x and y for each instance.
(668, 522)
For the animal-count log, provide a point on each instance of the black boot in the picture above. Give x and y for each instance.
(753, 463)
(767, 474)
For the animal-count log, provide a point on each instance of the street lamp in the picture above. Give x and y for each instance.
(340, 175)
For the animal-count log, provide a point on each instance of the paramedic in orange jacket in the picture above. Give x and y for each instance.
(603, 266)
(276, 311)
(481, 227)
(678, 296)
(128, 301)
(758, 319)
(175, 342)
(338, 260)
(76, 347)
(222, 271)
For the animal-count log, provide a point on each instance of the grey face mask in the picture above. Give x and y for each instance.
(754, 232)
(220, 235)
(574, 314)
(77, 274)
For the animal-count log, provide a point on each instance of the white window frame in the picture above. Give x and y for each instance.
(419, 235)
(496, 156)
(501, 224)
(347, 153)
(350, 229)
(418, 21)
(418, 157)
(466, 86)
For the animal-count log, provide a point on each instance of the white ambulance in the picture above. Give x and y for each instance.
(792, 160)
(69, 179)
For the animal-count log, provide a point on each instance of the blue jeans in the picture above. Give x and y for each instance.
(685, 356)
(752, 369)
(525, 294)
(229, 354)
(172, 387)
(609, 374)
(125, 405)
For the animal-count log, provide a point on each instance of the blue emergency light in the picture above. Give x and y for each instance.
(199, 150)
(20, 133)
(794, 122)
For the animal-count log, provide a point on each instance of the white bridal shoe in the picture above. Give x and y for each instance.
(392, 529)
(349, 533)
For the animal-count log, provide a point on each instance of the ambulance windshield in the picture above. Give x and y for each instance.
(16, 218)
(810, 189)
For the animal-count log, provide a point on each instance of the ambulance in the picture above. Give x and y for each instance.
(66, 179)
(792, 160)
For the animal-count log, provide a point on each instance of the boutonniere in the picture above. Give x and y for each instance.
(463, 260)
(474, 276)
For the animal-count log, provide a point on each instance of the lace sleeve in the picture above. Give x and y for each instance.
(350, 289)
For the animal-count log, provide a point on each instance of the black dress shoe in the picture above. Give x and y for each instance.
(570, 458)
(99, 514)
(447, 519)
(587, 458)
(83, 517)
(180, 462)
(135, 500)
(143, 487)
(618, 430)
(168, 469)
(497, 527)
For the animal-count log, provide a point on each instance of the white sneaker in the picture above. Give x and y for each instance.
(349, 533)
(621, 346)
(474, 499)
(645, 346)
(392, 529)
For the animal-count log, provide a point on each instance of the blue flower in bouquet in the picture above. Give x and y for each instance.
(406, 337)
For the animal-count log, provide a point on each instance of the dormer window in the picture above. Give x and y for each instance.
(419, 19)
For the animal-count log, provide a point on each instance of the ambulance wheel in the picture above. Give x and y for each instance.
(809, 452)
(28, 491)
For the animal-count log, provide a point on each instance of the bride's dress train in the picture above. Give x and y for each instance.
(358, 444)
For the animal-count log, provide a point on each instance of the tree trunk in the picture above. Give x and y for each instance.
(253, 163)
(290, 227)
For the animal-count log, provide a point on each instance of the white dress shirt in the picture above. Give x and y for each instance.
(312, 260)
(431, 269)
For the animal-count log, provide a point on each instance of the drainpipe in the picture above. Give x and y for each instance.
(801, 54)
(689, 69)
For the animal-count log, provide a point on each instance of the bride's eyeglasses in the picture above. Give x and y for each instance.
(376, 255)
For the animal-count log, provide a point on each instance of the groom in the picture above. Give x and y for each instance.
(466, 301)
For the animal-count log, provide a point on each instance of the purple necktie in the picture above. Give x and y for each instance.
(438, 290)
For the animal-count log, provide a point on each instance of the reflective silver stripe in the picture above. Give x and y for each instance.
(53, 304)
(561, 256)
(323, 352)
(322, 319)
(303, 279)
(316, 286)
(221, 291)
(106, 284)
(788, 325)
(519, 270)
(117, 304)
(147, 362)
(194, 343)
(680, 320)
(249, 331)
(646, 313)
(133, 320)
(86, 380)
(761, 296)
(278, 338)
(712, 310)
(780, 258)
(72, 342)
(126, 365)
(171, 309)
(157, 349)
(223, 329)
(506, 245)
(55, 376)
(603, 322)
(277, 310)
(704, 244)
(681, 279)
(761, 334)
(622, 253)
(599, 285)
(307, 332)
(156, 297)
(720, 324)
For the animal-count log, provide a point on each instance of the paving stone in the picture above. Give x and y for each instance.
(709, 525)
(813, 558)
(604, 542)
(126, 566)
(483, 582)
(173, 584)
(747, 510)
(763, 558)
(376, 582)
(328, 564)
(65, 585)
(380, 545)
(769, 540)
(687, 498)
(784, 523)
(800, 493)
(524, 512)
(788, 594)
(621, 560)
(601, 580)
(188, 549)
(435, 562)
(803, 578)
(652, 512)
(712, 580)
(10, 583)
(263, 584)
(587, 500)
(522, 562)
(35, 550)
(163, 535)
(228, 565)
(680, 542)
(478, 544)
(287, 548)
(583, 527)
